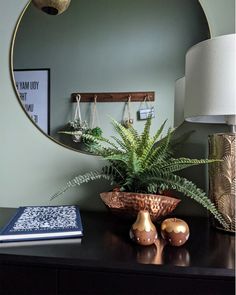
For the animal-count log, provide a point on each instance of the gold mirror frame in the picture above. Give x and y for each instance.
(17, 93)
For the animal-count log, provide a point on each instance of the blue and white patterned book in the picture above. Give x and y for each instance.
(43, 222)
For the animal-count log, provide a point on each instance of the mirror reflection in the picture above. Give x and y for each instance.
(104, 47)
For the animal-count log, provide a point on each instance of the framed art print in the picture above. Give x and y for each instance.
(33, 86)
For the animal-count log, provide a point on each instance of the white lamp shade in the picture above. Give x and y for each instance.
(179, 101)
(210, 87)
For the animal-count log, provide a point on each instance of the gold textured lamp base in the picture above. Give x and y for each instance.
(222, 186)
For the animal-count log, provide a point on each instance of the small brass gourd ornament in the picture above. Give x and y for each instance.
(175, 231)
(52, 7)
(143, 231)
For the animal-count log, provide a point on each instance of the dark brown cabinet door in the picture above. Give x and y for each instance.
(27, 280)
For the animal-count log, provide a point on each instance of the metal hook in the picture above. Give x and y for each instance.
(129, 98)
(95, 98)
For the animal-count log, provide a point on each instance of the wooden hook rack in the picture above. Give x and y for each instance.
(114, 96)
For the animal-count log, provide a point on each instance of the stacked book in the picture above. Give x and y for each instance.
(43, 222)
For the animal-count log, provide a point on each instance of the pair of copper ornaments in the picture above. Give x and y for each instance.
(174, 231)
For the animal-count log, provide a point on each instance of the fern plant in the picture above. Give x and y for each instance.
(144, 164)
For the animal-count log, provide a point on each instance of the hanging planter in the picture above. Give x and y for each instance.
(145, 111)
(94, 131)
(79, 129)
(52, 7)
(128, 121)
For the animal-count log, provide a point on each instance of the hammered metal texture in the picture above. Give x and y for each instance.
(129, 204)
(222, 186)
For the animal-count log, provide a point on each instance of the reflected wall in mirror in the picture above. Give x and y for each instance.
(34, 93)
(110, 46)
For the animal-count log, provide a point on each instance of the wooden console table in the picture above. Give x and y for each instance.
(105, 261)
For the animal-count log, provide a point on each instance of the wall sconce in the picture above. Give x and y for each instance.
(52, 7)
(210, 97)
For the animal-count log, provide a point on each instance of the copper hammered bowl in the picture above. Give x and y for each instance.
(129, 204)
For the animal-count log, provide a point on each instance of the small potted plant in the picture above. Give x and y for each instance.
(142, 170)
(77, 129)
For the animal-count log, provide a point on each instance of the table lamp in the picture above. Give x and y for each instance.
(210, 97)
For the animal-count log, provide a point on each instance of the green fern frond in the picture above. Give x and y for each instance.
(159, 132)
(148, 149)
(124, 133)
(134, 164)
(135, 134)
(152, 188)
(174, 165)
(110, 152)
(109, 142)
(90, 138)
(78, 180)
(120, 142)
(145, 136)
(103, 151)
(99, 140)
(115, 176)
(145, 152)
(117, 157)
(128, 183)
(170, 181)
(160, 153)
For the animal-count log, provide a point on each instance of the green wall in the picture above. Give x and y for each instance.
(33, 167)
(220, 15)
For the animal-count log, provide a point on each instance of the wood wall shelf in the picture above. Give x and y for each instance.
(115, 96)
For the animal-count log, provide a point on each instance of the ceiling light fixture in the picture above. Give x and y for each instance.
(52, 7)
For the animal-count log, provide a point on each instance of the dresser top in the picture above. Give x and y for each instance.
(106, 245)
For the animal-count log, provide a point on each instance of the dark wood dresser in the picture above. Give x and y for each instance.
(105, 261)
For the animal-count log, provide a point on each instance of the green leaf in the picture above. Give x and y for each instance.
(125, 134)
(80, 179)
(188, 188)
(159, 153)
(117, 157)
(174, 165)
(134, 165)
(144, 137)
(120, 142)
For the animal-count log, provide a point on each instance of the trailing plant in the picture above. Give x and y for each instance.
(77, 129)
(144, 164)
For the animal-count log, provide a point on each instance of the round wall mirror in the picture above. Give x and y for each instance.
(103, 47)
